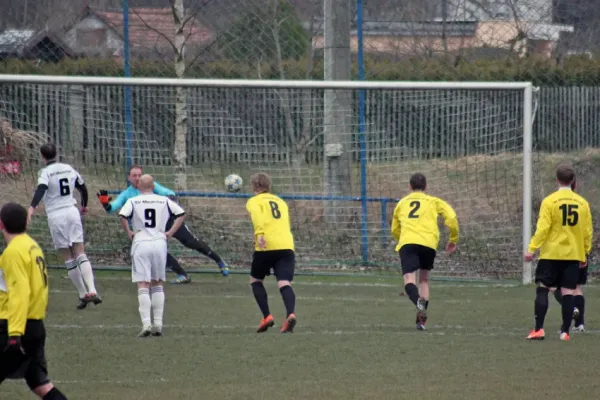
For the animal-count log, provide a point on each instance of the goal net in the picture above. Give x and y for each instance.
(341, 155)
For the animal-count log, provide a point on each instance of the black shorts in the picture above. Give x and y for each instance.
(282, 262)
(414, 257)
(558, 273)
(583, 276)
(31, 366)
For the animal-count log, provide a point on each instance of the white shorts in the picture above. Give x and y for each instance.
(149, 260)
(65, 227)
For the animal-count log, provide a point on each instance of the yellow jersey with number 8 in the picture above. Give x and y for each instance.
(23, 284)
(415, 220)
(271, 220)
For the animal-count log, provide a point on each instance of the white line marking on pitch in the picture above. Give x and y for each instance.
(363, 329)
(303, 298)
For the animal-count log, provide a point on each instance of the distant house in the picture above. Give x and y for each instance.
(33, 45)
(151, 33)
(430, 37)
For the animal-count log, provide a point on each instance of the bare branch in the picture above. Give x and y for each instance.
(155, 30)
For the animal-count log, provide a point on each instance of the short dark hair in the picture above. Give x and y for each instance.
(14, 218)
(135, 166)
(418, 181)
(48, 151)
(565, 174)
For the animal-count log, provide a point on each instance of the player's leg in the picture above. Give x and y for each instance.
(258, 271)
(75, 275)
(426, 260)
(569, 278)
(189, 240)
(410, 261)
(284, 272)
(36, 374)
(173, 265)
(546, 276)
(87, 272)
(579, 301)
(141, 275)
(157, 292)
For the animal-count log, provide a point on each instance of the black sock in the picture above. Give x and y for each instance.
(579, 302)
(174, 265)
(426, 304)
(567, 312)
(412, 292)
(540, 307)
(54, 394)
(260, 294)
(289, 299)
(558, 296)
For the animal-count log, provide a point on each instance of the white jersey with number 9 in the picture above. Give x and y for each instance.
(149, 214)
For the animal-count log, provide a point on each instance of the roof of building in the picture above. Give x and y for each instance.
(19, 41)
(152, 27)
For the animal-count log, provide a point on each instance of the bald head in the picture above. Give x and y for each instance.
(146, 184)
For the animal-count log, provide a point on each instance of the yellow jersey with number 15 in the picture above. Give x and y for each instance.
(23, 284)
(271, 219)
(415, 220)
(564, 227)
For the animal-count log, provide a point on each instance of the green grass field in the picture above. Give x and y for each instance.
(355, 340)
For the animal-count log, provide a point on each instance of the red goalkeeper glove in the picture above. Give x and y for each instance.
(104, 199)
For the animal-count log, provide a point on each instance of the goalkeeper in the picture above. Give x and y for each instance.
(184, 235)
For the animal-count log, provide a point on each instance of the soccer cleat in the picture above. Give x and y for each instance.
(536, 335)
(145, 332)
(289, 324)
(575, 313)
(224, 268)
(94, 298)
(565, 336)
(157, 330)
(421, 327)
(579, 329)
(182, 279)
(265, 324)
(82, 303)
(421, 312)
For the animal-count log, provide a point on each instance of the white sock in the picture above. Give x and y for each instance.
(145, 306)
(158, 305)
(87, 273)
(76, 278)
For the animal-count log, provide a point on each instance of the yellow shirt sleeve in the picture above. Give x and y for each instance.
(396, 226)
(450, 219)
(544, 223)
(258, 219)
(589, 231)
(17, 283)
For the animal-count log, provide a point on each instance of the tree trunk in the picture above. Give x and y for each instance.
(181, 116)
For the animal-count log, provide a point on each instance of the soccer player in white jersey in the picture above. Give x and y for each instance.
(149, 214)
(56, 183)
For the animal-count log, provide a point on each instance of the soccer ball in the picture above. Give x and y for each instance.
(233, 183)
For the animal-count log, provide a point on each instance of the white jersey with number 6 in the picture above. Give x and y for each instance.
(64, 219)
(61, 180)
(149, 214)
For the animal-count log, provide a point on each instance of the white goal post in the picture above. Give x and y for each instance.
(444, 102)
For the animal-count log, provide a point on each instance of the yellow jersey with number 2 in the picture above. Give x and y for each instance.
(415, 220)
(271, 220)
(23, 284)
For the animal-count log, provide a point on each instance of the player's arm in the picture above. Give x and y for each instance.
(542, 228)
(258, 221)
(40, 191)
(82, 189)
(112, 206)
(450, 219)
(178, 213)
(163, 191)
(588, 233)
(18, 290)
(396, 227)
(125, 215)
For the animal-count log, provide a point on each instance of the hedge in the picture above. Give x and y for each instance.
(572, 71)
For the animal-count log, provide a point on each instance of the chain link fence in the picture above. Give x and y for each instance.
(463, 138)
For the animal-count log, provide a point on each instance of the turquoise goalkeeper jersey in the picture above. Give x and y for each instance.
(130, 192)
